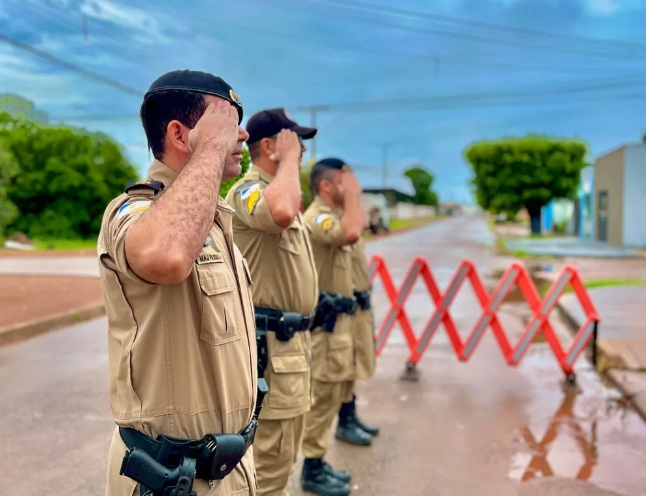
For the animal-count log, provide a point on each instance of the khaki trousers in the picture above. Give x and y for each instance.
(328, 397)
(275, 453)
(348, 391)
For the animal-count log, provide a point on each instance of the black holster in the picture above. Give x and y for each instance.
(363, 299)
(326, 313)
(167, 466)
(330, 307)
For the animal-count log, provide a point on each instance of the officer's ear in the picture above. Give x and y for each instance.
(177, 137)
(267, 145)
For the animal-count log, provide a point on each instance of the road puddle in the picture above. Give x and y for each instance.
(592, 438)
(567, 448)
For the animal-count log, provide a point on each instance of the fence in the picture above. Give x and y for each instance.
(517, 274)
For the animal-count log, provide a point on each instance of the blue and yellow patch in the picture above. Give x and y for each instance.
(250, 194)
(132, 207)
(326, 221)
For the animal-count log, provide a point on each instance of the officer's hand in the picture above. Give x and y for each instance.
(288, 147)
(349, 185)
(218, 126)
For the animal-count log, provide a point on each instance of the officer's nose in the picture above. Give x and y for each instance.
(243, 135)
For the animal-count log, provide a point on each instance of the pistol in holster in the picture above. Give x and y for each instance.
(167, 466)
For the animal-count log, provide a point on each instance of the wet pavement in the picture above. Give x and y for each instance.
(476, 428)
(566, 247)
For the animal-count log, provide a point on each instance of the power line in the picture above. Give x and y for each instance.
(584, 50)
(399, 12)
(451, 103)
(68, 65)
(593, 85)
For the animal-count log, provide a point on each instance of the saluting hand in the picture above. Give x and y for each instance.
(349, 184)
(288, 147)
(218, 126)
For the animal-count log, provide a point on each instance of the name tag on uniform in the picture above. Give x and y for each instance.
(207, 258)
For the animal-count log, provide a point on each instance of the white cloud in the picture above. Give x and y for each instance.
(608, 7)
(603, 6)
(127, 17)
(50, 91)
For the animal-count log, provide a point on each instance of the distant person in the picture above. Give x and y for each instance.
(336, 221)
(270, 231)
(181, 334)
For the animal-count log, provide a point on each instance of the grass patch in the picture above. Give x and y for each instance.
(60, 244)
(540, 236)
(606, 283)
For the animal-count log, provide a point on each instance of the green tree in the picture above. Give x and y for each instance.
(306, 192)
(17, 105)
(8, 170)
(422, 181)
(644, 137)
(528, 172)
(66, 178)
(246, 161)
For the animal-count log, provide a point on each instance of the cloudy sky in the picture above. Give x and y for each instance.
(426, 78)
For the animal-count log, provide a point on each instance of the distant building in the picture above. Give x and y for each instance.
(392, 195)
(400, 205)
(582, 223)
(620, 196)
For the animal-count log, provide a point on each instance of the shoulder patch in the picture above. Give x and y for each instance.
(131, 207)
(155, 186)
(250, 194)
(324, 220)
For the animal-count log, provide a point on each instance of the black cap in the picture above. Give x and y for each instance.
(199, 82)
(268, 123)
(331, 163)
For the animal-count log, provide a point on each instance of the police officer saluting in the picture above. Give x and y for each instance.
(181, 331)
(335, 220)
(270, 232)
(350, 427)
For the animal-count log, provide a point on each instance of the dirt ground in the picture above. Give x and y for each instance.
(24, 298)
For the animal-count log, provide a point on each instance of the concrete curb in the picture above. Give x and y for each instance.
(30, 329)
(612, 366)
(25, 330)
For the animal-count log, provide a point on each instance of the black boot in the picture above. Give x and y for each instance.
(342, 475)
(315, 479)
(347, 429)
(372, 430)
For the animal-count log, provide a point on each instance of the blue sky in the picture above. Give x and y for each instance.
(296, 53)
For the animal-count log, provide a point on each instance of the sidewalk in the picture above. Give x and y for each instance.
(621, 345)
(39, 294)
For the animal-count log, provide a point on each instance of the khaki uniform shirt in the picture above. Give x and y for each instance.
(332, 353)
(364, 333)
(182, 358)
(282, 259)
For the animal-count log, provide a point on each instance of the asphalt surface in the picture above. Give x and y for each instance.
(475, 428)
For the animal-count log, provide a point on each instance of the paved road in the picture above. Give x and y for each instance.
(476, 428)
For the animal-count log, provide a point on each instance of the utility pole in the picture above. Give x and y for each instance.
(84, 25)
(314, 110)
(384, 166)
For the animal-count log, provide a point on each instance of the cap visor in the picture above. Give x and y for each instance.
(305, 132)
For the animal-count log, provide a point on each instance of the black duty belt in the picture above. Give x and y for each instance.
(284, 324)
(167, 466)
(151, 461)
(330, 306)
(363, 299)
